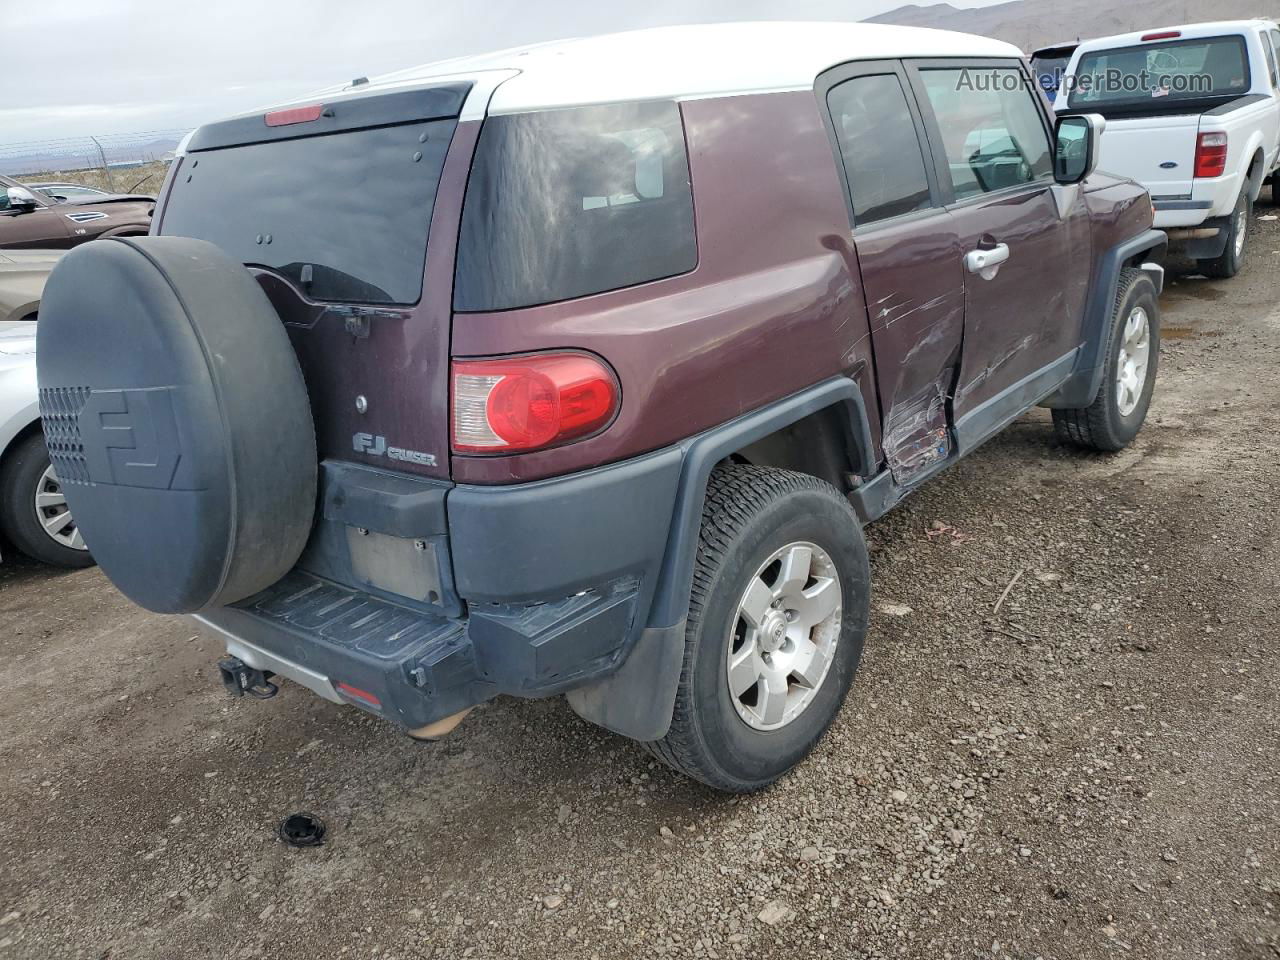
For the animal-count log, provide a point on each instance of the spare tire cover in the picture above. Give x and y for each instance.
(177, 420)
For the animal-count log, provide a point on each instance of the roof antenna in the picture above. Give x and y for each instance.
(359, 81)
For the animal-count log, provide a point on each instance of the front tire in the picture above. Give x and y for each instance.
(33, 509)
(1114, 418)
(777, 618)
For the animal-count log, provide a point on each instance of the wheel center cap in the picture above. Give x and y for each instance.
(774, 633)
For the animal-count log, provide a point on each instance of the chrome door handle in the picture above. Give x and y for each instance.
(984, 261)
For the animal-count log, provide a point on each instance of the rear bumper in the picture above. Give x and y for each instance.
(416, 599)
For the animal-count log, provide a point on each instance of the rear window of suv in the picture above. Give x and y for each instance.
(1155, 74)
(567, 203)
(343, 215)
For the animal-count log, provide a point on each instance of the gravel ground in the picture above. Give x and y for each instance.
(1090, 772)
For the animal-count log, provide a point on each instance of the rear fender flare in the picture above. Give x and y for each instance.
(702, 453)
(638, 700)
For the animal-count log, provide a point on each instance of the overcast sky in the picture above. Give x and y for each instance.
(80, 67)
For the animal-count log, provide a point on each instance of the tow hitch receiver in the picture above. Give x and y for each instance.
(240, 679)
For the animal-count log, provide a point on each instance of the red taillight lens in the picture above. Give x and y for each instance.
(1211, 155)
(283, 118)
(518, 404)
(1163, 35)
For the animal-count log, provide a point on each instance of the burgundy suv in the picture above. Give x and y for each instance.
(578, 369)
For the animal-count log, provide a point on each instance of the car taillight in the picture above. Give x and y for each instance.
(1211, 155)
(1162, 35)
(518, 404)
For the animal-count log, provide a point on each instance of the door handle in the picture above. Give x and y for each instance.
(986, 261)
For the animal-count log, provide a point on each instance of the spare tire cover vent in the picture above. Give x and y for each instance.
(178, 420)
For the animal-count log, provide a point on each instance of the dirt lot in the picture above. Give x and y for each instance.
(1092, 772)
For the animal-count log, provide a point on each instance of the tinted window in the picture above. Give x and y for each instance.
(344, 215)
(992, 129)
(1154, 74)
(880, 148)
(1049, 72)
(567, 203)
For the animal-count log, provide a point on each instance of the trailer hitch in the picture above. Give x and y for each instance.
(241, 680)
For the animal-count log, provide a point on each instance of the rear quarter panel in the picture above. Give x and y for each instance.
(774, 306)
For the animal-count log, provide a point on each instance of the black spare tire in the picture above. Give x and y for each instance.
(177, 420)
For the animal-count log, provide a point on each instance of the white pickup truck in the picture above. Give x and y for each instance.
(1193, 114)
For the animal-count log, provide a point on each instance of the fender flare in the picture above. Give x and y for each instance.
(1081, 387)
(702, 453)
(638, 699)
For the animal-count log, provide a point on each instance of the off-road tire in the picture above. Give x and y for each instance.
(1100, 426)
(749, 513)
(1232, 259)
(20, 474)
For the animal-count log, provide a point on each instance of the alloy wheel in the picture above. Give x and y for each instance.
(782, 640)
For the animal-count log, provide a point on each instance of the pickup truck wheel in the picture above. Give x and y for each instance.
(777, 618)
(1113, 420)
(34, 509)
(1228, 265)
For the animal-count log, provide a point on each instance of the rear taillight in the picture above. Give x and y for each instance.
(1211, 155)
(1162, 35)
(518, 404)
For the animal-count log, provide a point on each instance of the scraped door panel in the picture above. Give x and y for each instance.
(914, 286)
(909, 256)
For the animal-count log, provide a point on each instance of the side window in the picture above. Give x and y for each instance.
(881, 150)
(1275, 53)
(991, 128)
(1268, 47)
(569, 203)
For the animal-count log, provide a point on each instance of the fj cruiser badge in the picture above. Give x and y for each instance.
(367, 443)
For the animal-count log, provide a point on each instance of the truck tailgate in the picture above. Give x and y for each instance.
(1159, 152)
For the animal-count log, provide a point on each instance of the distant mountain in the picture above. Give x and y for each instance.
(1036, 23)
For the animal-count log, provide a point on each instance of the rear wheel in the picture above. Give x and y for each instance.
(1228, 265)
(1114, 418)
(34, 508)
(777, 618)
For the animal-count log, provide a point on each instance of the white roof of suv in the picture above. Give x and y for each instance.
(686, 62)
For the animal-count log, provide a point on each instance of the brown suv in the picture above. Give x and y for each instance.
(32, 218)
(586, 378)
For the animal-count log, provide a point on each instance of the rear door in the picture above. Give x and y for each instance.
(1025, 261)
(332, 206)
(909, 257)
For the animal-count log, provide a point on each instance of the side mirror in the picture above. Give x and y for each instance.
(1079, 141)
(20, 198)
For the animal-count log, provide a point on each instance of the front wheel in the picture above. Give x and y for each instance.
(777, 618)
(1113, 420)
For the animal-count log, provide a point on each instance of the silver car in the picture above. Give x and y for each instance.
(33, 511)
